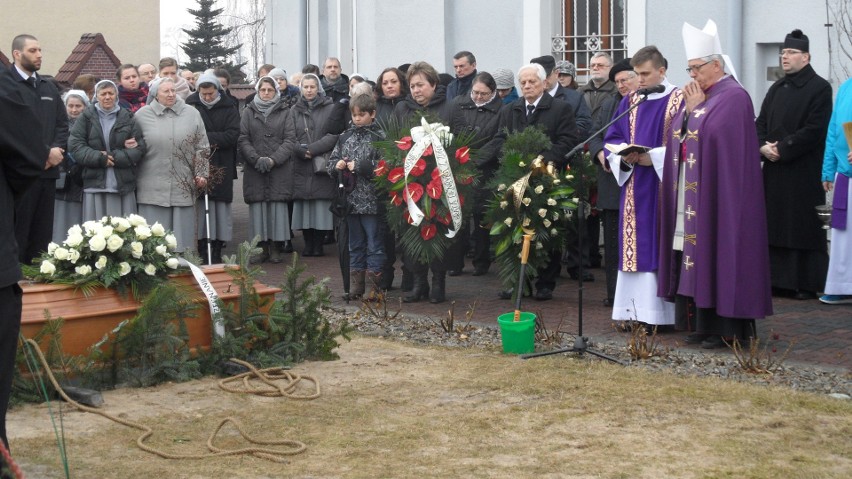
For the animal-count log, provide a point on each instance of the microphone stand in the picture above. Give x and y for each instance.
(581, 343)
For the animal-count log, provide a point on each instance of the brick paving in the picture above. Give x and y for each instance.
(822, 333)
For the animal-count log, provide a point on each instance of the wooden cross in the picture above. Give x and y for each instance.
(700, 112)
(691, 160)
(689, 212)
(688, 263)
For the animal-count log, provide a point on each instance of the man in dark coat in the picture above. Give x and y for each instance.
(222, 122)
(791, 128)
(334, 82)
(464, 63)
(34, 210)
(556, 117)
(22, 160)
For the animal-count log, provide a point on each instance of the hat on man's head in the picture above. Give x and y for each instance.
(504, 78)
(622, 66)
(703, 43)
(545, 61)
(564, 67)
(797, 40)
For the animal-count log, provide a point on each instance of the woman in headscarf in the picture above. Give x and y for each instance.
(68, 207)
(265, 143)
(108, 143)
(222, 122)
(132, 92)
(175, 165)
(289, 93)
(315, 123)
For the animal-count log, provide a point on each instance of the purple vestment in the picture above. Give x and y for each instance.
(647, 125)
(725, 261)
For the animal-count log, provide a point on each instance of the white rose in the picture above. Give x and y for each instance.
(114, 242)
(522, 164)
(150, 269)
(136, 249)
(158, 230)
(121, 224)
(551, 202)
(539, 245)
(556, 181)
(101, 262)
(537, 163)
(172, 263)
(526, 222)
(542, 212)
(97, 243)
(555, 215)
(142, 232)
(123, 268)
(553, 232)
(171, 241)
(501, 187)
(546, 223)
(52, 247)
(539, 189)
(75, 230)
(74, 240)
(575, 200)
(136, 220)
(526, 201)
(504, 204)
(162, 250)
(73, 255)
(47, 268)
(569, 177)
(106, 231)
(508, 221)
(60, 253)
(83, 270)
(89, 226)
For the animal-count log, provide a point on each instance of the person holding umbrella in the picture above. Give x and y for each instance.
(355, 159)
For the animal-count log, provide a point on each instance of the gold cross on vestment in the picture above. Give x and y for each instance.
(688, 263)
(691, 160)
(691, 135)
(698, 113)
(689, 212)
(691, 186)
(691, 239)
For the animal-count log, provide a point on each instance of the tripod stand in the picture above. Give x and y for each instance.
(581, 343)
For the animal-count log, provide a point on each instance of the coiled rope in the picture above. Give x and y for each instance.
(267, 376)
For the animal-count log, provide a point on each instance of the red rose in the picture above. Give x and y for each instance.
(381, 168)
(436, 173)
(415, 190)
(396, 174)
(418, 168)
(434, 189)
(428, 231)
(404, 143)
(463, 155)
(396, 198)
(428, 151)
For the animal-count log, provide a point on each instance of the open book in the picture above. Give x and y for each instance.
(624, 149)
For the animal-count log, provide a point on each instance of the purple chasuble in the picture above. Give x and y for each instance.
(638, 232)
(725, 261)
(841, 199)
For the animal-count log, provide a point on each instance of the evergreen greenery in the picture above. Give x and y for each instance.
(206, 46)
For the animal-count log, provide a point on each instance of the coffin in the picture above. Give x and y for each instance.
(87, 319)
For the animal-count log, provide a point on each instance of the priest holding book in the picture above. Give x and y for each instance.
(636, 145)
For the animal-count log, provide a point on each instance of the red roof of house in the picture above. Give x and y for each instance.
(5, 60)
(241, 91)
(92, 55)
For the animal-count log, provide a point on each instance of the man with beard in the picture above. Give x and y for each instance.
(791, 128)
(599, 87)
(334, 82)
(34, 209)
(22, 161)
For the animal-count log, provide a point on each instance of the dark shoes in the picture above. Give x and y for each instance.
(454, 272)
(713, 342)
(803, 295)
(575, 275)
(480, 271)
(544, 294)
(288, 247)
(506, 293)
(696, 338)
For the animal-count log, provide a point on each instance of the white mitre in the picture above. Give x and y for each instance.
(705, 42)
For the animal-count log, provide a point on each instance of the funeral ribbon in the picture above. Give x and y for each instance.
(519, 187)
(212, 298)
(423, 136)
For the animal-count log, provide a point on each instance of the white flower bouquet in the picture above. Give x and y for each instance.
(121, 253)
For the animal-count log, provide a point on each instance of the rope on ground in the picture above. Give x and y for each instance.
(268, 377)
(291, 447)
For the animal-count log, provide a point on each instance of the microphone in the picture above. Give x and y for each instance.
(653, 89)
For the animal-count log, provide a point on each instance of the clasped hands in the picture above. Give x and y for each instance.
(264, 164)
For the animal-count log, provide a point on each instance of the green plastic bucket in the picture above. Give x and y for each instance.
(518, 337)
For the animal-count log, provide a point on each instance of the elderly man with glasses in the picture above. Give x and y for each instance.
(714, 255)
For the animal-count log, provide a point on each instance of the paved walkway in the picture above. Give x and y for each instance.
(822, 333)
